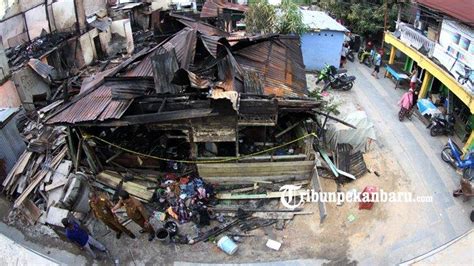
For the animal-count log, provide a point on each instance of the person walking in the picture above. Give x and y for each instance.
(102, 209)
(77, 235)
(377, 64)
(135, 211)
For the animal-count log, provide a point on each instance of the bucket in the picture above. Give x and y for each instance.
(162, 235)
(227, 245)
(171, 227)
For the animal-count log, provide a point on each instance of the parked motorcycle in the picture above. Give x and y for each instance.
(365, 57)
(350, 55)
(464, 78)
(340, 82)
(440, 125)
(327, 71)
(453, 155)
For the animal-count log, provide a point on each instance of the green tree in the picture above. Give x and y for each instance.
(364, 18)
(263, 18)
(260, 18)
(290, 20)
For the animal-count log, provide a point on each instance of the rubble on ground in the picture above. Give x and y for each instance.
(202, 126)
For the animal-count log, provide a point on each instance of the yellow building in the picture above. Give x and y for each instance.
(441, 53)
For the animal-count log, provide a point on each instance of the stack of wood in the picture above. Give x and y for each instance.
(36, 172)
(136, 187)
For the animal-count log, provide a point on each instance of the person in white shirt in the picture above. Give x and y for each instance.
(413, 78)
(344, 51)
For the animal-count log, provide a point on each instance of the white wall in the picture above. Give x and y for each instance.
(88, 50)
(36, 21)
(452, 51)
(92, 6)
(13, 29)
(4, 68)
(64, 14)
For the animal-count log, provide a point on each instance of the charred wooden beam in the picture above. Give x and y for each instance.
(156, 118)
(335, 119)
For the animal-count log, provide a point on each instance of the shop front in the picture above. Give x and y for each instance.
(440, 86)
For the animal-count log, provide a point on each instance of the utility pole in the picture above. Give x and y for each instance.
(399, 14)
(384, 21)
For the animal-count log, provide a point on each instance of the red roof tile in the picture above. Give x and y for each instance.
(462, 10)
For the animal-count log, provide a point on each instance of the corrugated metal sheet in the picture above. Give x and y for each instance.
(10, 140)
(212, 8)
(212, 44)
(228, 72)
(186, 77)
(281, 63)
(459, 9)
(202, 27)
(97, 105)
(184, 43)
(143, 69)
(42, 69)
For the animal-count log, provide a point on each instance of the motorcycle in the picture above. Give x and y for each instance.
(340, 82)
(453, 155)
(464, 78)
(327, 71)
(405, 113)
(440, 125)
(350, 55)
(365, 57)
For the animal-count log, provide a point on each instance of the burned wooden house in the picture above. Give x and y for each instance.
(236, 108)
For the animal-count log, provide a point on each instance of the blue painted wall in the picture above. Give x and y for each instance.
(321, 47)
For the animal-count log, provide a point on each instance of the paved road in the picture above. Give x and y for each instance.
(419, 155)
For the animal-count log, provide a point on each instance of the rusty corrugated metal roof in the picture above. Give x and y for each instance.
(458, 9)
(213, 44)
(97, 105)
(201, 27)
(186, 77)
(212, 8)
(184, 43)
(143, 69)
(280, 61)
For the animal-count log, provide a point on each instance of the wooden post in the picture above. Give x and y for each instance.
(237, 140)
(425, 85)
(78, 156)
(71, 147)
(391, 60)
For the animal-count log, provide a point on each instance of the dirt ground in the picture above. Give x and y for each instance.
(336, 240)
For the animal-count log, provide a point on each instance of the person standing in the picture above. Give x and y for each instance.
(344, 52)
(377, 64)
(413, 78)
(135, 211)
(102, 209)
(77, 235)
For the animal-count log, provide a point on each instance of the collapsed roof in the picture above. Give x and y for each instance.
(197, 59)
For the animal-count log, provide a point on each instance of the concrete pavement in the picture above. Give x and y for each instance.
(418, 154)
